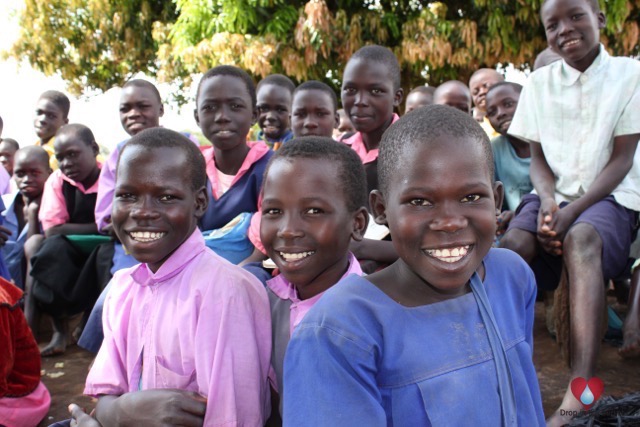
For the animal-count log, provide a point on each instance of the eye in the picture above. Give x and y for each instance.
(124, 196)
(282, 110)
(167, 198)
(270, 212)
(491, 112)
(577, 16)
(419, 202)
(470, 198)
(262, 109)
(236, 107)
(552, 26)
(349, 91)
(509, 104)
(206, 107)
(376, 91)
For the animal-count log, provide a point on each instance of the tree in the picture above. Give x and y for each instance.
(434, 41)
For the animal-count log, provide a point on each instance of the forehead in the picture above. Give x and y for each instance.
(29, 161)
(362, 71)
(309, 98)
(224, 87)
(273, 94)
(137, 93)
(484, 76)
(69, 141)
(418, 96)
(322, 173)
(48, 106)
(453, 93)
(502, 92)
(554, 8)
(6, 147)
(169, 162)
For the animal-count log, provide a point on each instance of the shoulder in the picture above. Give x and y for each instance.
(506, 269)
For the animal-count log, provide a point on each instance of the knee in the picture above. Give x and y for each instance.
(583, 241)
(32, 245)
(521, 242)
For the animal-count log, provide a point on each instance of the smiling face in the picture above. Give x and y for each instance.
(224, 111)
(502, 102)
(274, 106)
(306, 225)
(368, 96)
(480, 84)
(313, 113)
(155, 209)
(140, 109)
(76, 159)
(573, 31)
(30, 174)
(441, 212)
(49, 118)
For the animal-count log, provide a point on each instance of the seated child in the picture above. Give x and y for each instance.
(314, 204)
(187, 335)
(53, 263)
(455, 94)
(24, 400)
(274, 96)
(420, 96)
(444, 335)
(345, 127)
(20, 218)
(511, 155)
(581, 117)
(314, 110)
(8, 148)
(52, 112)
(479, 84)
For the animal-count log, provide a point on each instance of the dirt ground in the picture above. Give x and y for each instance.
(620, 376)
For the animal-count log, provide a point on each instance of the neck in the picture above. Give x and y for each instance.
(372, 139)
(324, 280)
(229, 161)
(522, 149)
(92, 178)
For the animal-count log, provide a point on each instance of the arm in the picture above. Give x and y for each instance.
(376, 250)
(33, 222)
(68, 229)
(106, 186)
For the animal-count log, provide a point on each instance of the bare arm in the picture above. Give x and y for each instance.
(376, 250)
(69, 228)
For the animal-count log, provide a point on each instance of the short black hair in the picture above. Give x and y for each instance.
(12, 142)
(230, 70)
(38, 152)
(383, 55)
(59, 99)
(420, 127)
(154, 138)
(351, 172)
(515, 86)
(426, 90)
(322, 87)
(144, 84)
(81, 132)
(595, 5)
(279, 80)
(544, 58)
(449, 83)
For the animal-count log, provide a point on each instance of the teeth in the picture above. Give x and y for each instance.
(295, 256)
(145, 236)
(572, 42)
(450, 255)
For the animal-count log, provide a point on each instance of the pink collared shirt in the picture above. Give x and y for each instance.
(53, 209)
(357, 144)
(198, 324)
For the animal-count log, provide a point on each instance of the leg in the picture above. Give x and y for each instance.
(582, 256)
(31, 312)
(522, 242)
(631, 327)
(58, 343)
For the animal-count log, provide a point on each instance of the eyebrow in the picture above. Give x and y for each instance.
(235, 99)
(470, 186)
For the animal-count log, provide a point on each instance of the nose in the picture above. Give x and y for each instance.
(144, 208)
(361, 98)
(448, 218)
(310, 123)
(501, 112)
(133, 113)
(289, 227)
(222, 115)
(564, 26)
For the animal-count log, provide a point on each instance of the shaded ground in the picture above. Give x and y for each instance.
(620, 376)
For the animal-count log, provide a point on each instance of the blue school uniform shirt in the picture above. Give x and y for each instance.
(360, 358)
(512, 171)
(13, 249)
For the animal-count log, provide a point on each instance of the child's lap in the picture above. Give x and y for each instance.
(615, 224)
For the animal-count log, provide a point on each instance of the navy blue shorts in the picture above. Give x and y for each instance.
(616, 225)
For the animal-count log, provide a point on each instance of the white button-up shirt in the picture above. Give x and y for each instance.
(575, 117)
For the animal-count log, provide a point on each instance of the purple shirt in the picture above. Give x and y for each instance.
(198, 324)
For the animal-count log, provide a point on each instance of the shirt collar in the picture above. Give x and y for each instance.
(357, 144)
(287, 291)
(570, 75)
(176, 262)
(92, 189)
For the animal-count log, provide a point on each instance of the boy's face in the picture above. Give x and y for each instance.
(7, 151)
(416, 100)
(274, 106)
(225, 112)
(306, 225)
(501, 106)
(155, 209)
(313, 113)
(441, 210)
(30, 174)
(573, 31)
(139, 109)
(368, 96)
(77, 160)
(479, 84)
(454, 97)
(49, 118)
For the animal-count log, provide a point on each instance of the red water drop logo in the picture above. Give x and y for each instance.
(587, 392)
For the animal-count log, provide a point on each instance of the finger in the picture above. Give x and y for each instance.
(195, 405)
(189, 420)
(75, 411)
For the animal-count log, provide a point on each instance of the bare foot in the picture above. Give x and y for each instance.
(631, 340)
(56, 347)
(77, 332)
(569, 408)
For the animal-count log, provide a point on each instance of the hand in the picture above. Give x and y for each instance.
(503, 221)
(4, 235)
(548, 208)
(162, 407)
(79, 418)
(562, 221)
(108, 230)
(32, 210)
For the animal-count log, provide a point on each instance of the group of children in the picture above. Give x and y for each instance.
(440, 330)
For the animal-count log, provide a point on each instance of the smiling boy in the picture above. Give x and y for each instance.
(274, 95)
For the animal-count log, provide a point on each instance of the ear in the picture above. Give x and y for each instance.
(195, 116)
(602, 20)
(95, 148)
(66, 120)
(498, 195)
(397, 97)
(378, 207)
(254, 116)
(336, 120)
(201, 202)
(161, 110)
(360, 222)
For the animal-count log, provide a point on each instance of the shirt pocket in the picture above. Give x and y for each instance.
(169, 377)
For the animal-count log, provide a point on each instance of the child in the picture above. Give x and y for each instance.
(511, 155)
(314, 204)
(479, 84)
(345, 127)
(444, 335)
(24, 400)
(275, 93)
(455, 94)
(184, 319)
(52, 112)
(53, 263)
(8, 148)
(581, 116)
(20, 219)
(314, 110)
(421, 96)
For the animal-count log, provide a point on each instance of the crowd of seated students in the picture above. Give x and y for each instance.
(248, 282)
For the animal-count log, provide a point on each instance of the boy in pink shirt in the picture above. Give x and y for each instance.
(184, 319)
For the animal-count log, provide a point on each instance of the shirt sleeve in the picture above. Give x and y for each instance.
(525, 121)
(106, 189)
(233, 351)
(53, 209)
(254, 231)
(329, 379)
(629, 122)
